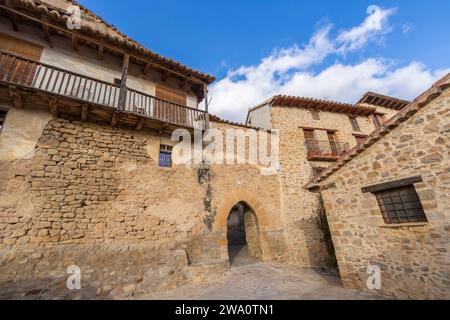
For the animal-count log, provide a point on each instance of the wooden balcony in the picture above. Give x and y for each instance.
(325, 150)
(37, 84)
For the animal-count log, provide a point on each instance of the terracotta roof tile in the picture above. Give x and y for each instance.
(318, 104)
(380, 100)
(405, 114)
(99, 28)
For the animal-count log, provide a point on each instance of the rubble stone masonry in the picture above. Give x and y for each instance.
(414, 258)
(94, 196)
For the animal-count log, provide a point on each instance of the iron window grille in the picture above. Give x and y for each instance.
(165, 156)
(399, 201)
(2, 118)
(355, 124)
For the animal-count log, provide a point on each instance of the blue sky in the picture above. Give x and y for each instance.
(402, 40)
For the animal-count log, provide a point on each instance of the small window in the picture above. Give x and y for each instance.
(378, 120)
(399, 201)
(355, 124)
(401, 205)
(2, 118)
(315, 114)
(165, 156)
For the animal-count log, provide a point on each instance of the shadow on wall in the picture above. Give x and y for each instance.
(317, 237)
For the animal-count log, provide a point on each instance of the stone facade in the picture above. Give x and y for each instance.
(414, 258)
(94, 196)
(301, 208)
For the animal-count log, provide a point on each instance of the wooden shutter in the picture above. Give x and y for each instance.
(20, 47)
(171, 95)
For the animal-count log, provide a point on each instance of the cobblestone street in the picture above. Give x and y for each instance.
(253, 280)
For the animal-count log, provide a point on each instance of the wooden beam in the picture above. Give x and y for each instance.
(46, 30)
(12, 16)
(147, 68)
(74, 43)
(163, 128)
(392, 184)
(100, 52)
(16, 97)
(123, 82)
(164, 76)
(84, 112)
(114, 120)
(140, 124)
(53, 104)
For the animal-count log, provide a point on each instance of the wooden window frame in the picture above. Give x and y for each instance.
(354, 123)
(164, 151)
(378, 120)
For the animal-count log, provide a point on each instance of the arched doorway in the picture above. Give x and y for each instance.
(243, 235)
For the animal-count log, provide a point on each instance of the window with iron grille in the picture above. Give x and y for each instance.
(165, 156)
(355, 124)
(399, 201)
(2, 118)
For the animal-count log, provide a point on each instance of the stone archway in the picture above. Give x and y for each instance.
(243, 235)
(257, 223)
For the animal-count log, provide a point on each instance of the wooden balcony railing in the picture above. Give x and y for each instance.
(325, 150)
(21, 72)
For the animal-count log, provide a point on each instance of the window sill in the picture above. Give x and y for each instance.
(404, 225)
(167, 168)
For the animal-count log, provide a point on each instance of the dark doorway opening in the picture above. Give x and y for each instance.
(243, 235)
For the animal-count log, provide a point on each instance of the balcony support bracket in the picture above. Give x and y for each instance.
(16, 97)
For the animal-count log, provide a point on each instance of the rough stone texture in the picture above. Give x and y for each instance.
(94, 196)
(414, 258)
(300, 207)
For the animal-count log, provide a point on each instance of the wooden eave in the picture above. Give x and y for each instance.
(54, 21)
(321, 105)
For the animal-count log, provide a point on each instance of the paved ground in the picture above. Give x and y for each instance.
(249, 279)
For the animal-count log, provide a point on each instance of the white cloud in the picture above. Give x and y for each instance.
(374, 25)
(288, 71)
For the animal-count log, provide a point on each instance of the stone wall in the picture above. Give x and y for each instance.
(300, 207)
(414, 258)
(94, 196)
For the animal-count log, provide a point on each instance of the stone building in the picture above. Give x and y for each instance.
(313, 135)
(388, 205)
(88, 177)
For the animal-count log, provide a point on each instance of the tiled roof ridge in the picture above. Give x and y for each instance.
(120, 39)
(383, 96)
(310, 100)
(239, 124)
(392, 102)
(421, 101)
